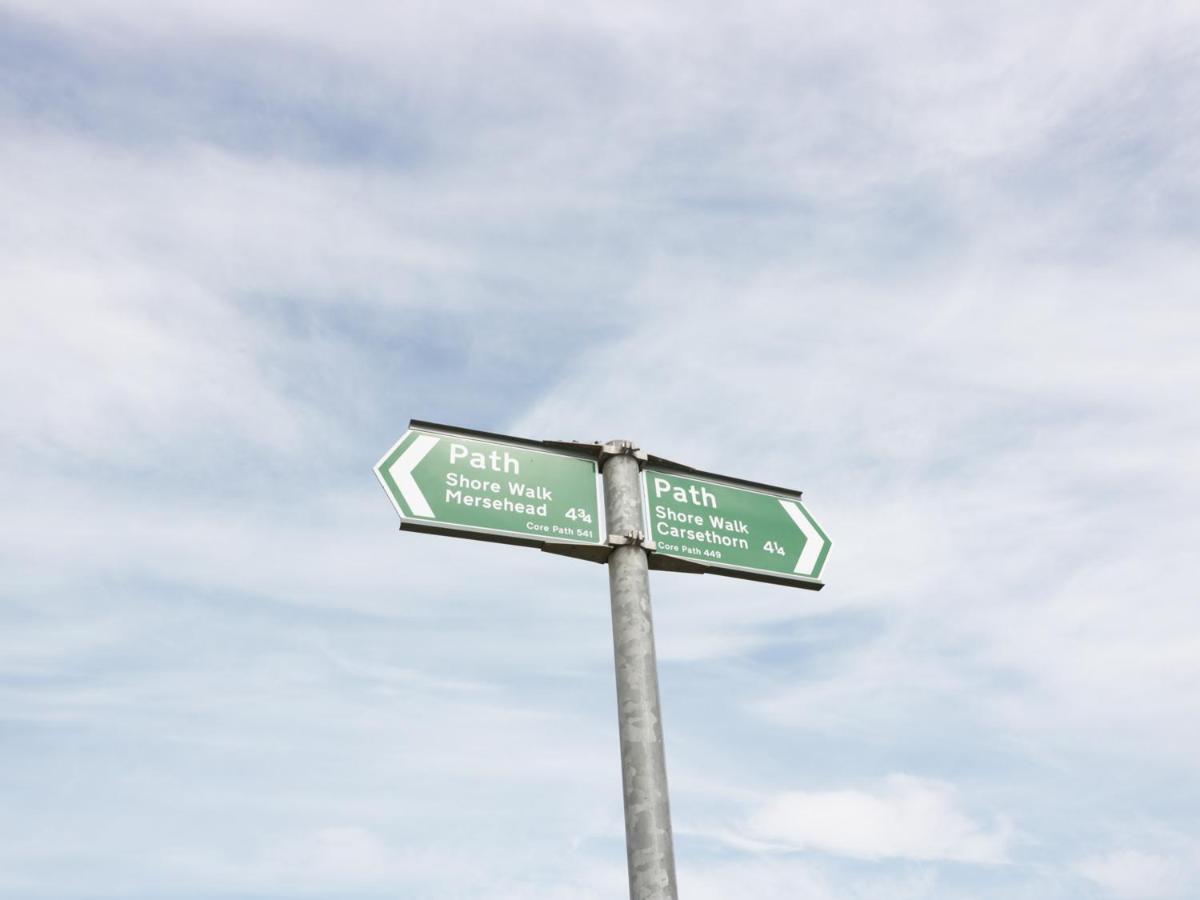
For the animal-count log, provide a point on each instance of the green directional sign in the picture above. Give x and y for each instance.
(487, 486)
(735, 529)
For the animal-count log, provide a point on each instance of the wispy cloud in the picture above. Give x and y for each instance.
(934, 266)
(1137, 875)
(909, 818)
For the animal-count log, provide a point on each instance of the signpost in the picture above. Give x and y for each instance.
(474, 484)
(734, 528)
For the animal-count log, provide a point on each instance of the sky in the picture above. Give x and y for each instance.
(935, 264)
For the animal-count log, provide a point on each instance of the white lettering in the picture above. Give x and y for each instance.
(493, 461)
(697, 496)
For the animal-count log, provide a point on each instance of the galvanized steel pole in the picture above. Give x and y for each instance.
(648, 843)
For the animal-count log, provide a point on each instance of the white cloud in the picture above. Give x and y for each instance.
(110, 365)
(1135, 875)
(906, 818)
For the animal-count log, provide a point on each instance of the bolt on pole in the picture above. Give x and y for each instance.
(648, 842)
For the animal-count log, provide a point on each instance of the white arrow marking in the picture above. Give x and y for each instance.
(401, 472)
(813, 543)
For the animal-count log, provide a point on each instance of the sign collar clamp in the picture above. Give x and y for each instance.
(632, 539)
(610, 449)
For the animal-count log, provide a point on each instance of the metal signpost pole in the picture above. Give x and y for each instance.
(465, 483)
(648, 842)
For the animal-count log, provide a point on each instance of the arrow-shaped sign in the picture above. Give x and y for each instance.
(492, 487)
(734, 528)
